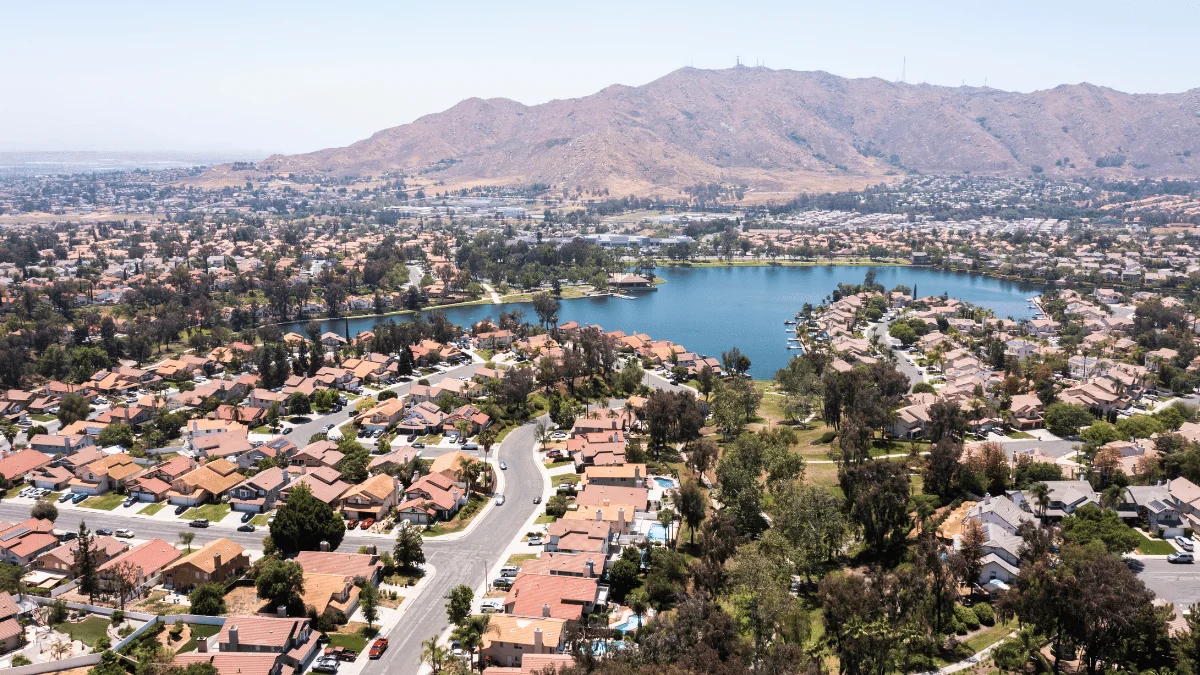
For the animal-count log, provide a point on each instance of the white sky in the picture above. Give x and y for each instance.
(292, 77)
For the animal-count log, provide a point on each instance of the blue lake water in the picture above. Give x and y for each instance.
(710, 309)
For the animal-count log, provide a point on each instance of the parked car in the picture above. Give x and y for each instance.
(418, 445)
(104, 532)
(326, 664)
(287, 430)
(502, 582)
(351, 524)
(199, 522)
(412, 437)
(124, 533)
(64, 498)
(378, 648)
(129, 501)
(179, 510)
(1182, 557)
(1185, 543)
(245, 528)
(535, 541)
(366, 524)
(78, 498)
(491, 605)
(247, 517)
(510, 571)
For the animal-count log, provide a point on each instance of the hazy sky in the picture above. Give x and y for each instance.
(299, 76)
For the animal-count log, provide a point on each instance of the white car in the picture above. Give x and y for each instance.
(1185, 543)
(499, 500)
(491, 605)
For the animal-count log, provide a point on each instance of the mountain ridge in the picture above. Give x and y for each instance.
(778, 131)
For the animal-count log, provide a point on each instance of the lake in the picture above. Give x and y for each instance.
(710, 309)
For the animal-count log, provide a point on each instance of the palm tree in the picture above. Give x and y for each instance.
(468, 472)
(434, 655)
(487, 438)
(1041, 497)
(60, 649)
(1112, 495)
(186, 538)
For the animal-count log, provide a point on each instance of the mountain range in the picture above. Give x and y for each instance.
(778, 132)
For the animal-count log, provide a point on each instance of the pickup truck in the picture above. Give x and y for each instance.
(378, 648)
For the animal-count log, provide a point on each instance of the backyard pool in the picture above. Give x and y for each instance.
(657, 533)
(664, 482)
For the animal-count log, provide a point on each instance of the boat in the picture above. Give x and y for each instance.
(794, 347)
(789, 322)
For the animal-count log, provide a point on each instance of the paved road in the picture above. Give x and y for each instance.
(465, 560)
(1179, 584)
(902, 363)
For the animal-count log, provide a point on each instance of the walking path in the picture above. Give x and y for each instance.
(492, 291)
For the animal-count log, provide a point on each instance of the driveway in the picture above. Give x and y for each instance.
(1178, 584)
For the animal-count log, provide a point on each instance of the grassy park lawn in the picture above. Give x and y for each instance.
(461, 519)
(212, 512)
(105, 502)
(152, 509)
(1153, 546)
(87, 631)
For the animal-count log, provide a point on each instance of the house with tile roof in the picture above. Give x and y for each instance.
(510, 638)
(204, 484)
(374, 498)
(350, 565)
(21, 542)
(109, 473)
(12, 634)
(217, 561)
(15, 466)
(579, 536)
(258, 493)
(534, 664)
(62, 557)
(554, 596)
(145, 562)
(326, 485)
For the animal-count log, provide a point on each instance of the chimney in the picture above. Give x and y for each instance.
(591, 568)
(202, 644)
(217, 563)
(606, 502)
(324, 547)
(599, 515)
(537, 636)
(281, 611)
(987, 498)
(233, 639)
(637, 472)
(546, 611)
(620, 519)
(371, 550)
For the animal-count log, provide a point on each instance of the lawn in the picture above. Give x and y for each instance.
(260, 520)
(105, 502)
(518, 558)
(460, 519)
(87, 631)
(544, 519)
(198, 630)
(152, 509)
(431, 439)
(43, 418)
(213, 512)
(1020, 435)
(14, 490)
(561, 462)
(561, 478)
(264, 429)
(1153, 546)
(354, 641)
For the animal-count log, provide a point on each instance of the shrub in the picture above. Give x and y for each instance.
(21, 660)
(386, 394)
(985, 614)
(827, 437)
(102, 643)
(958, 628)
(117, 616)
(965, 616)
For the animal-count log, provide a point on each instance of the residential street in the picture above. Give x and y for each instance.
(1179, 584)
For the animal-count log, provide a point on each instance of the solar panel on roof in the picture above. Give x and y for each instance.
(15, 533)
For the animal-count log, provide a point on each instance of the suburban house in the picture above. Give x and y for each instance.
(619, 475)
(109, 473)
(60, 445)
(374, 498)
(54, 478)
(22, 542)
(255, 645)
(510, 638)
(62, 558)
(145, 562)
(326, 485)
(147, 488)
(274, 449)
(1025, 412)
(12, 634)
(318, 453)
(911, 421)
(206, 483)
(216, 561)
(1154, 505)
(1065, 497)
(258, 493)
(352, 565)
(579, 536)
(554, 596)
(17, 466)
(432, 498)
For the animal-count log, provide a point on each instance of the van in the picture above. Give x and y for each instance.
(509, 571)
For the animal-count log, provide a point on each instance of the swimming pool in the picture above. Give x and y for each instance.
(657, 533)
(628, 626)
(664, 482)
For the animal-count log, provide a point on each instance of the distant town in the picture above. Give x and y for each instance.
(206, 471)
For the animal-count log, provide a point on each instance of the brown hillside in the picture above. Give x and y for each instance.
(778, 131)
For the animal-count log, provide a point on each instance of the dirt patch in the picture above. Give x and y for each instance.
(243, 600)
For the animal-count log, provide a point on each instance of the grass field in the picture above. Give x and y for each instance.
(460, 519)
(152, 509)
(213, 512)
(353, 641)
(198, 630)
(1154, 546)
(105, 502)
(87, 631)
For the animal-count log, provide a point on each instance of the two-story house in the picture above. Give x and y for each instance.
(258, 493)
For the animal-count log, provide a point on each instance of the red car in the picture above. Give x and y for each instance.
(378, 648)
(366, 524)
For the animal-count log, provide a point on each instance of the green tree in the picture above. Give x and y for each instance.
(1091, 523)
(304, 522)
(208, 600)
(44, 509)
(86, 563)
(282, 583)
(1065, 419)
(638, 602)
(1099, 433)
(298, 404)
(73, 408)
(409, 552)
(368, 599)
(693, 506)
(116, 434)
(186, 538)
(458, 604)
(877, 495)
